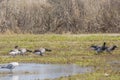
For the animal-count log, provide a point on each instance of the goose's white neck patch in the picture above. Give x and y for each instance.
(42, 50)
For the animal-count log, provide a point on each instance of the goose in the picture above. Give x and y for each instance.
(110, 49)
(99, 49)
(24, 51)
(41, 51)
(14, 52)
(103, 48)
(10, 66)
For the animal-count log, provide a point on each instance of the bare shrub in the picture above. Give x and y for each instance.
(59, 16)
(109, 16)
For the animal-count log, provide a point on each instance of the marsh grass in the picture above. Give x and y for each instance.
(66, 49)
(69, 48)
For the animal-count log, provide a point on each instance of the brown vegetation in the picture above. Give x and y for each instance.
(60, 16)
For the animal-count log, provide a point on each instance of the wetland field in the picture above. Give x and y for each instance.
(66, 50)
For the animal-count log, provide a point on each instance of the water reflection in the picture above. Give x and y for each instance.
(43, 71)
(9, 77)
(14, 77)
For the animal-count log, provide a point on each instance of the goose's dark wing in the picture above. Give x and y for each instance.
(10, 66)
(37, 50)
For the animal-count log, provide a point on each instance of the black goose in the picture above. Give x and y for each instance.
(23, 51)
(110, 49)
(99, 49)
(14, 52)
(41, 51)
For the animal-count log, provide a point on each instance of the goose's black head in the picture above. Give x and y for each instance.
(104, 43)
(113, 48)
(16, 47)
(49, 50)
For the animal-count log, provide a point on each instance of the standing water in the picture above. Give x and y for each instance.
(32, 71)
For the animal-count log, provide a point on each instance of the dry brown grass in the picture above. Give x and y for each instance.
(60, 16)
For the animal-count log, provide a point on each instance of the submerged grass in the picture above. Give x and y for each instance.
(66, 49)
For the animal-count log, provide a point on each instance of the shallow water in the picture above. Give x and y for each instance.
(32, 71)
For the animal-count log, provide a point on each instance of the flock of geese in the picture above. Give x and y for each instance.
(101, 49)
(23, 51)
(41, 51)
